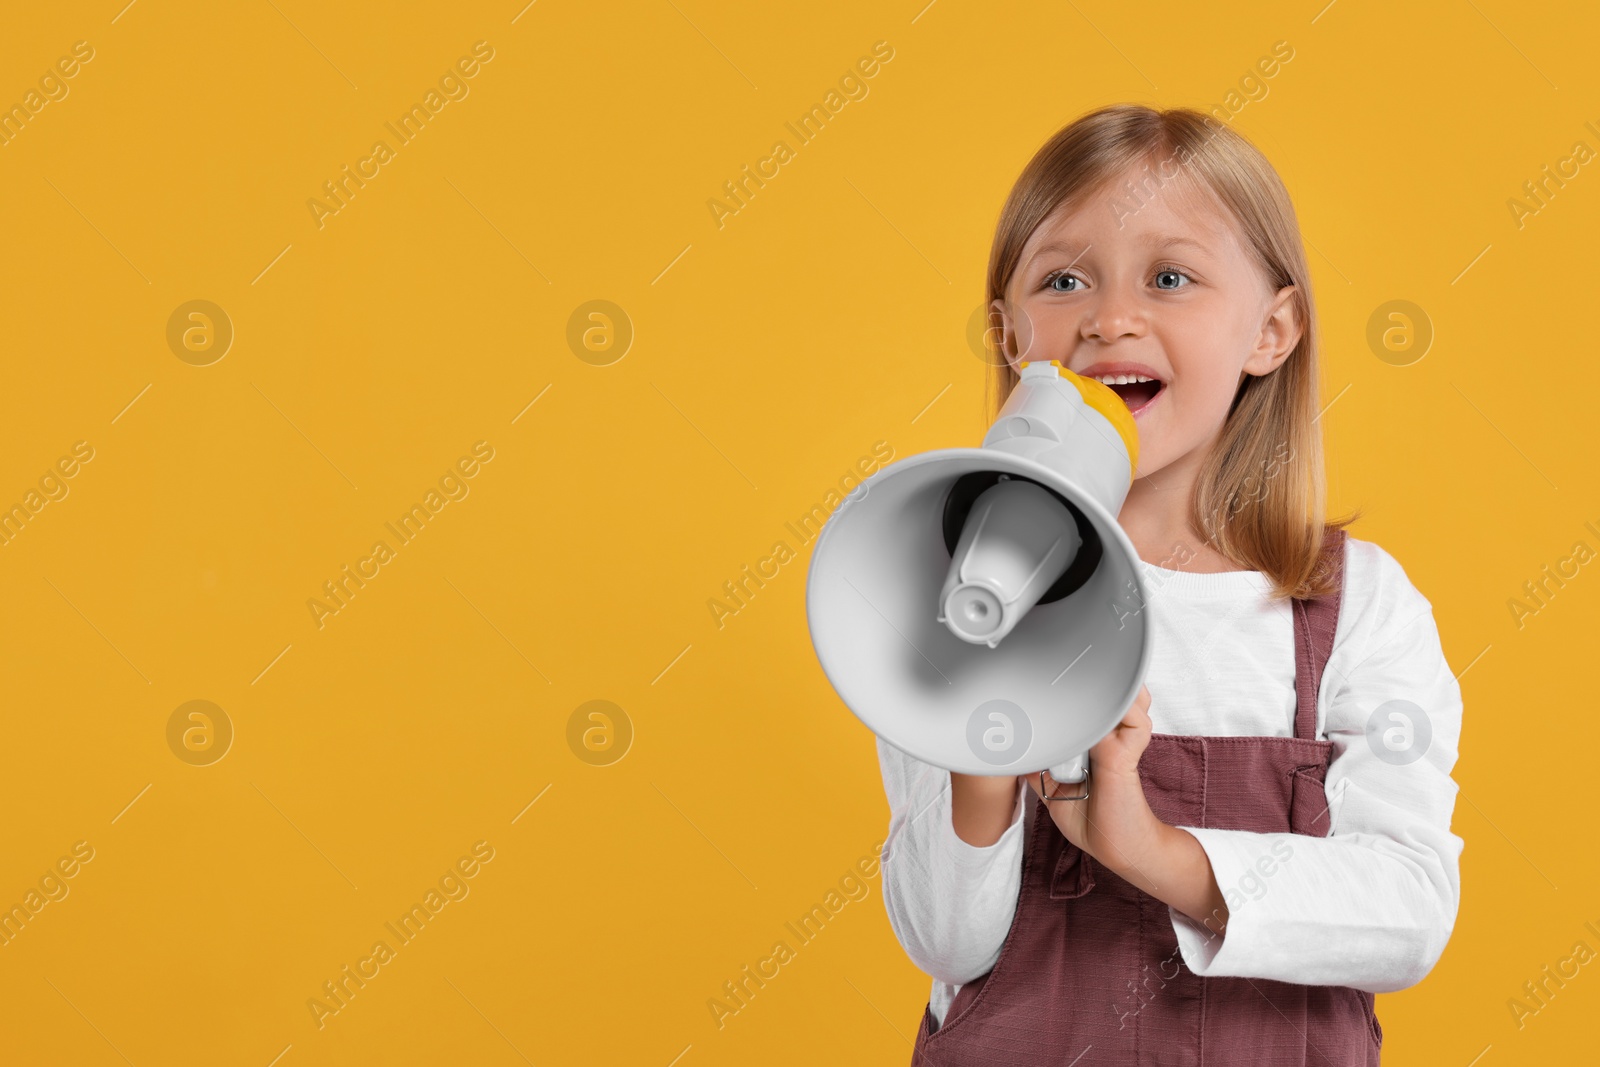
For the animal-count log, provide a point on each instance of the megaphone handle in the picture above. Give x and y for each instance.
(1071, 772)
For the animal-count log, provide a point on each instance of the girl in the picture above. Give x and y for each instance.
(1267, 842)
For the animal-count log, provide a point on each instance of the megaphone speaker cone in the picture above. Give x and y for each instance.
(980, 608)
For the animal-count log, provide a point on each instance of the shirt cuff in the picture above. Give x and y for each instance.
(1238, 858)
(972, 856)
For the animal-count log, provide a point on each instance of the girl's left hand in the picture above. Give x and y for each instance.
(1115, 824)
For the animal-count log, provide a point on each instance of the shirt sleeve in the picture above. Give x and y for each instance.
(1371, 905)
(950, 903)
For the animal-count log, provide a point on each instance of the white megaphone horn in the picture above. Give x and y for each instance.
(980, 608)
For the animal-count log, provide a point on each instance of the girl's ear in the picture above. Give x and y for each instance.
(1003, 333)
(1280, 332)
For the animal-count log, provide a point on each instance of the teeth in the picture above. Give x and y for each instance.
(1122, 379)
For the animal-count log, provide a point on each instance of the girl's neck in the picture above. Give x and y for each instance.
(1155, 517)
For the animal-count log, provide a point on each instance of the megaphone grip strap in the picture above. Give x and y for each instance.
(1088, 773)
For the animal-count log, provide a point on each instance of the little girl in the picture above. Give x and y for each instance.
(1267, 842)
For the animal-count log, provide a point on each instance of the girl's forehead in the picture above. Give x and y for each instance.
(1177, 212)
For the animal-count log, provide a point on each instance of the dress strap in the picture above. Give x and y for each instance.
(1315, 621)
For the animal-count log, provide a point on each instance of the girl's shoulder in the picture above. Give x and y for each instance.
(1379, 597)
(1387, 661)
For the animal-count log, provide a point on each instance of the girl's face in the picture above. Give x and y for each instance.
(1165, 291)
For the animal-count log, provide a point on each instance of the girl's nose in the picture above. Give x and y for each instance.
(1116, 313)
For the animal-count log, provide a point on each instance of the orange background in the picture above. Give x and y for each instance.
(767, 355)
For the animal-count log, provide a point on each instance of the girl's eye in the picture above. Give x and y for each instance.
(1167, 278)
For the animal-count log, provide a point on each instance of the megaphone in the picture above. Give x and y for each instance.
(980, 608)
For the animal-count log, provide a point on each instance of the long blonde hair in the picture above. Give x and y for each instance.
(1260, 495)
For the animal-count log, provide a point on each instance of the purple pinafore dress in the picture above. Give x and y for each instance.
(1090, 973)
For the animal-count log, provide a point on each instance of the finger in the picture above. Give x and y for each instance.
(1138, 713)
(1134, 721)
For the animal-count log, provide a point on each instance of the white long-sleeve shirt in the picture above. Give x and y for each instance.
(1369, 906)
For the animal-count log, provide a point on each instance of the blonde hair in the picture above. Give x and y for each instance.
(1253, 504)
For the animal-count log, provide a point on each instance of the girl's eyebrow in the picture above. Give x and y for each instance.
(1150, 239)
(1055, 246)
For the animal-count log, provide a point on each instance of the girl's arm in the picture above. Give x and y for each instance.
(982, 806)
(1373, 904)
(1179, 875)
(950, 902)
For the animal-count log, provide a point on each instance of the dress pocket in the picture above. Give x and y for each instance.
(1308, 803)
(1074, 874)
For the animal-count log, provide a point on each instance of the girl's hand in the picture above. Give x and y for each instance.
(1115, 825)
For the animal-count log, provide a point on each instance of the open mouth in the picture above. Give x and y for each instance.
(1137, 395)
